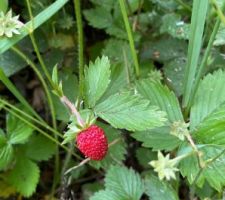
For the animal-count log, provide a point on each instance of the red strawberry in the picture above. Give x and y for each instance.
(92, 142)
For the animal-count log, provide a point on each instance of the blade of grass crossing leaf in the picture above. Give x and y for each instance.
(16, 93)
(42, 17)
(195, 42)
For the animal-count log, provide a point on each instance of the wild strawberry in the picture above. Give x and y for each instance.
(92, 142)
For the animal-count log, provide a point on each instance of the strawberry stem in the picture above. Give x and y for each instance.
(72, 109)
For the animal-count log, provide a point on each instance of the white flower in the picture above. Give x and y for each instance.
(179, 129)
(9, 25)
(164, 166)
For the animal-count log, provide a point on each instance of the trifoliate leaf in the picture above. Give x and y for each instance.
(39, 148)
(97, 78)
(125, 183)
(116, 153)
(6, 151)
(98, 17)
(208, 98)
(158, 139)
(24, 176)
(162, 97)
(212, 173)
(131, 112)
(157, 189)
(17, 131)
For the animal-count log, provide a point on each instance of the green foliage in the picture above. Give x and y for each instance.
(121, 183)
(97, 78)
(157, 189)
(131, 112)
(4, 5)
(219, 40)
(24, 176)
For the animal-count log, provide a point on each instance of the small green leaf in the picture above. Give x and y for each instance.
(98, 17)
(39, 148)
(131, 112)
(158, 139)
(97, 78)
(6, 151)
(24, 176)
(208, 98)
(125, 183)
(162, 97)
(157, 189)
(18, 131)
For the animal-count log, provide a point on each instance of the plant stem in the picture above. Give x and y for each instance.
(52, 109)
(73, 109)
(41, 123)
(77, 8)
(218, 11)
(130, 37)
(204, 61)
(187, 7)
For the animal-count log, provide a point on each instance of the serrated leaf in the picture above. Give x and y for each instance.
(24, 176)
(6, 151)
(157, 189)
(219, 40)
(213, 173)
(173, 25)
(39, 148)
(116, 153)
(131, 112)
(97, 78)
(162, 97)
(208, 98)
(17, 131)
(125, 183)
(99, 17)
(158, 139)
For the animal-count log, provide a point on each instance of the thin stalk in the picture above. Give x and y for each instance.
(204, 61)
(39, 130)
(43, 124)
(44, 68)
(185, 6)
(77, 8)
(219, 12)
(130, 37)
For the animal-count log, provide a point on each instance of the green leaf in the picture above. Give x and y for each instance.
(106, 195)
(116, 153)
(173, 25)
(4, 5)
(17, 130)
(208, 98)
(39, 148)
(131, 112)
(99, 17)
(144, 155)
(157, 189)
(6, 43)
(174, 72)
(198, 18)
(158, 139)
(24, 176)
(219, 40)
(213, 173)
(6, 151)
(97, 78)
(162, 97)
(125, 183)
